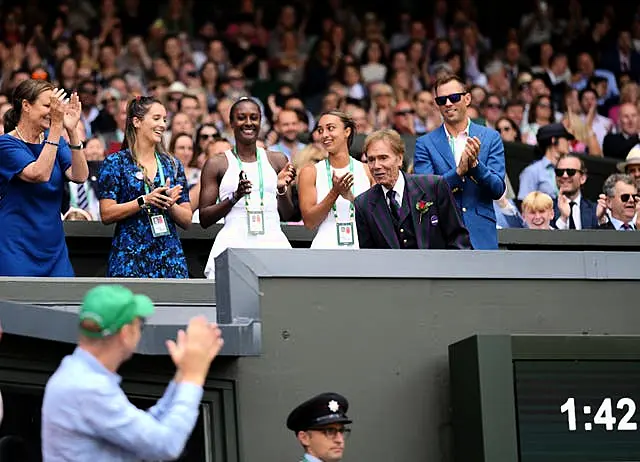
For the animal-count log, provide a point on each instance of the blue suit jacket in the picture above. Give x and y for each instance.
(475, 192)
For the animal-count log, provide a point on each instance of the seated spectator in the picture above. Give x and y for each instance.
(537, 210)
(507, 214)
(571, 209)
(75, 214)
(540, 114)
(631, 165)
(509, 131)
(618, 145)
(288, 128)
(622, 202)
(553, 141)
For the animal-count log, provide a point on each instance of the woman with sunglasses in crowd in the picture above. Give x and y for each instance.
(35, 163)
(509, 131)
(143, 189)
(327, 189)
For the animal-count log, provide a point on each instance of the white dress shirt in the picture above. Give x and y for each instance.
(561, 223)
(459, 142)
(398, 188)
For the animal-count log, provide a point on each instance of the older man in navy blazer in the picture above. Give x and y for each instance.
(469, 156)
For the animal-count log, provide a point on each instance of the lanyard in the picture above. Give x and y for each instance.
(330, 180)
(260, 180)
(160, 172)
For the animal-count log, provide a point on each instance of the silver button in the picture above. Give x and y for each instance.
(401, 230)
(405, 241)
(464, 209)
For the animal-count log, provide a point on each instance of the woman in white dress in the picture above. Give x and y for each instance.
(248, 187)
(327, 189)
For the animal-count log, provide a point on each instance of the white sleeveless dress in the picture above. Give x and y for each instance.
(327, 237)
(234, 233)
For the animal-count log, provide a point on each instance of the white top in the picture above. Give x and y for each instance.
(235, 232)
(459, 142)
(399, 190)
(327, 236)
(561, 223)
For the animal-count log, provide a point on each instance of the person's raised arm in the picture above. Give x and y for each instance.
(286, 174)
(39, 171)
(211, 211)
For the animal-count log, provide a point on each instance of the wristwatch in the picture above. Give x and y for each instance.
(76, 147)
(141, 202)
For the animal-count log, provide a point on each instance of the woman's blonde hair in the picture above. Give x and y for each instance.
(537, 201)
(310, 154)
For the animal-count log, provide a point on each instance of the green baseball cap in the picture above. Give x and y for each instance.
(111, 307)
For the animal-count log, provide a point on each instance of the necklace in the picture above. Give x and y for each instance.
(40, 136)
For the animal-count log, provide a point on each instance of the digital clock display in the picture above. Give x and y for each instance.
(578, 411)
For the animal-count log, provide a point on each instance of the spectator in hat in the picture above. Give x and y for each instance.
(553, 141)
(631, 165)
(319, 425)
(93, 415)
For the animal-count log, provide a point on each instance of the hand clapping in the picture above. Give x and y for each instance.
(194, 350)
(286, 175)
(342, 185)
(469, 157)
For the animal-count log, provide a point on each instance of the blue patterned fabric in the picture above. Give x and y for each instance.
(134, 251)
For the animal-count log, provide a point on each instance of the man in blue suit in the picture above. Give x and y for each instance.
(469, 156)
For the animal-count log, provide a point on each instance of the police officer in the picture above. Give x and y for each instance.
(319, 425)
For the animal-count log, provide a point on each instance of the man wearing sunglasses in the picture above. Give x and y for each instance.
(469, 156)
(553, 142)
(622, 201)
(319, 425)
(571, 209)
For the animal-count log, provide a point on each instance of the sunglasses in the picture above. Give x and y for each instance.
(404, 113)
(494, 106)
(626, 197)
(569, 171)
(208, 136)
(453, 97)
(88, 91)
(505, 129)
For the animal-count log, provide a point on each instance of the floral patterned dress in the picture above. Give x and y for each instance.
(135, 252)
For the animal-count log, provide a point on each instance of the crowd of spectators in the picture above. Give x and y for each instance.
(559, 68)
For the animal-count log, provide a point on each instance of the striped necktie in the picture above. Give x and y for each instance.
(83, 201)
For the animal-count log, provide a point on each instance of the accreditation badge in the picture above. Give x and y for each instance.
(345, 233)
(158, 225)
(255, 222)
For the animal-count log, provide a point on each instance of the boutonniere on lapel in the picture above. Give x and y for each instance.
(423, 207)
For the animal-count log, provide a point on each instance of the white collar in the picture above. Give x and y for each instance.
(398, 188)
(465, 131)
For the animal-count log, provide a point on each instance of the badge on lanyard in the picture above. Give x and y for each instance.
(158, 225)
(157, 221)
(344, 229)
(255, 218)
(345, 233)
(255, 222)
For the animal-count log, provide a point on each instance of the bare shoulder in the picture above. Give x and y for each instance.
(215, 167)
(277, 159)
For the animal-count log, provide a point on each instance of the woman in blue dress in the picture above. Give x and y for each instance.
(143, 189)
(35, 162)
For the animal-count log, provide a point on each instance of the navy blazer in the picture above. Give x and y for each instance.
(439, 227)
(588, 216)
(475, 192)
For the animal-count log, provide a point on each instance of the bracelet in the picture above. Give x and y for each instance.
(52, 143)
(278, 193)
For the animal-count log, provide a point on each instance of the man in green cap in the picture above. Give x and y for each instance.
(85, 413)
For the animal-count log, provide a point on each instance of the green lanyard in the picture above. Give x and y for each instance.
(330, 180)
(160, 171)
(260, 180)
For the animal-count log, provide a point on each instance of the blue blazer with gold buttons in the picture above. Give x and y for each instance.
(475, 192)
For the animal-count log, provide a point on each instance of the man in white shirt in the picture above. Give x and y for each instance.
(572, 210)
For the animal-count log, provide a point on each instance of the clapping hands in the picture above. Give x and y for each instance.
(193, 351)
(342, 185)
(469, 157)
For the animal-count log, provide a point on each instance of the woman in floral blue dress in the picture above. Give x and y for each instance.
(143, 189)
